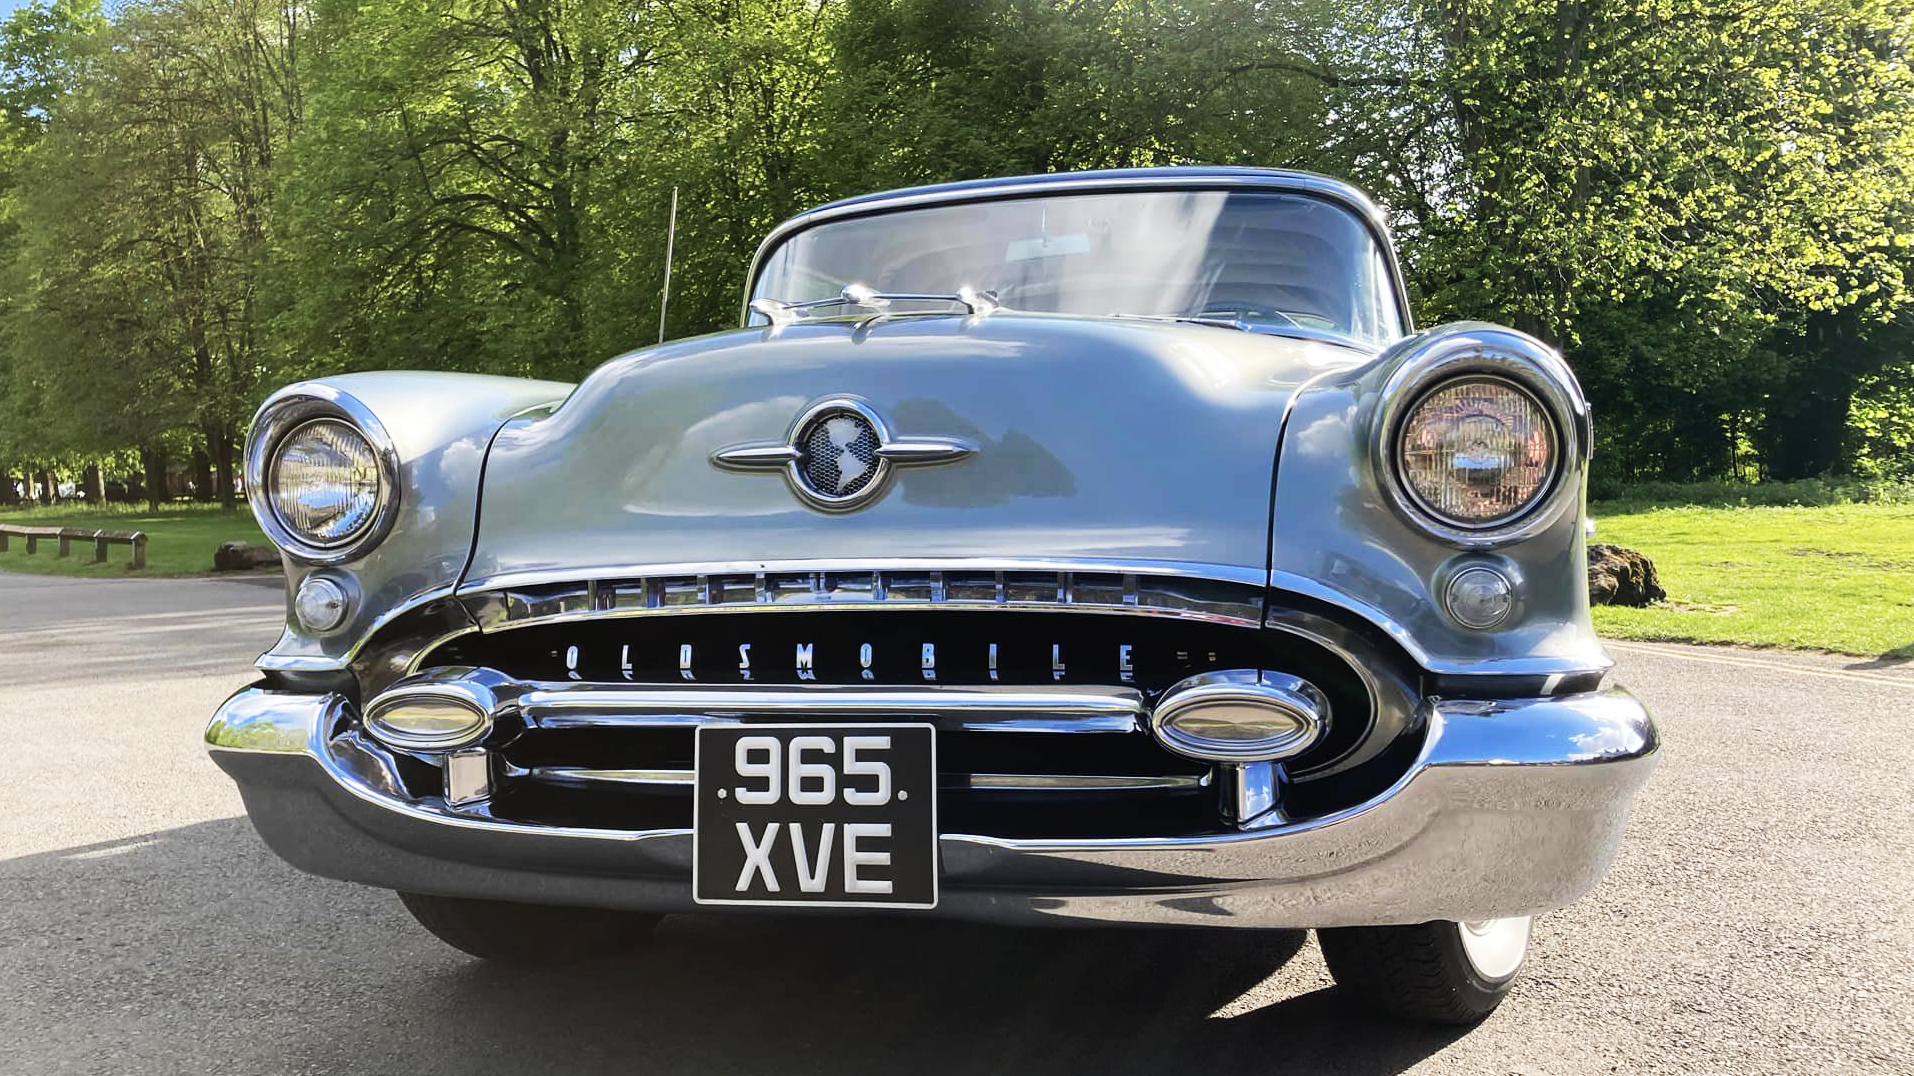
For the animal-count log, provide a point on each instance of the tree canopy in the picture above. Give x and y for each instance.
(1707, 205)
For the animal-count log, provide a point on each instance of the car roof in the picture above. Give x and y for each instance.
(1166, 177)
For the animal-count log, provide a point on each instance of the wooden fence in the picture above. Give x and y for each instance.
(66, 536)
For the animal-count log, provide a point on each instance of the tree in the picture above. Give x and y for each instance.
(144, 228)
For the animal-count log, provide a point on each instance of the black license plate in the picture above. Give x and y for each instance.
(828, 815)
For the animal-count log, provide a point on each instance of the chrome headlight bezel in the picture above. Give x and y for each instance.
(1485, 354)
(278, 419)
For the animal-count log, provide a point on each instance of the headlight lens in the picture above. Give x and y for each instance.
(1477, 451)
(325, 484)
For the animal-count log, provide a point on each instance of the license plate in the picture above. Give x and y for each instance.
(829, 815)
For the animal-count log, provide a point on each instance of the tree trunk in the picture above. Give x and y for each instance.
(202, 475)
(46, 487)
(1807, 424)
(1807, 421)
(223, 458)
(153, 462)
(95, 485)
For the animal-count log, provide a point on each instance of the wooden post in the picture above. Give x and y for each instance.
(3, 541)
(99, 548)
(139, 549)
(66, 544)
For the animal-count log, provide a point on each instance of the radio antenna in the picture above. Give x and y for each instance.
(671, 240)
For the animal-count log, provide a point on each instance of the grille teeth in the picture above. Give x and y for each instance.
(840, 454)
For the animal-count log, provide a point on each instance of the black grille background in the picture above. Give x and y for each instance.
(1162, 651)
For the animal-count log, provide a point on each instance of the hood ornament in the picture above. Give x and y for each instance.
(839, 454)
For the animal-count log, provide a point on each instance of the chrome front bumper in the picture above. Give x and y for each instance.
(1513, 807)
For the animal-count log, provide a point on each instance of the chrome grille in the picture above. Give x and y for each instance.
(620, 670)
(668, 593)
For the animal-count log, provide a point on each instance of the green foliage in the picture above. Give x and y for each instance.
(1709, 207)
(1881, 425)
(1606, 499)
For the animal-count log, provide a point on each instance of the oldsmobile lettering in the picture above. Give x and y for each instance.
(1092, 548)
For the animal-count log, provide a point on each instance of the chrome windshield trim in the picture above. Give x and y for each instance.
(1325, 188)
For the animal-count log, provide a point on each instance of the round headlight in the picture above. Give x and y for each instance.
(1477, 452)
(325, 485)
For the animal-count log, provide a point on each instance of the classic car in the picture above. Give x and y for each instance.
(1089, 548)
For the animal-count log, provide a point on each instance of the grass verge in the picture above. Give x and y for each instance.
(180, 539)
(1832, 577)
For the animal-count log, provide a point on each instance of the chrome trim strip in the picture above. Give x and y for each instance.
(1221, 573)
(1007, 709)
(1046, 782)
(272, 661)
(1543, 665)
(581, 775)
(866, 588)
(976, 782)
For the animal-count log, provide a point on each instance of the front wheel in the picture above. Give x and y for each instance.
(527, 933)
(1446, 973)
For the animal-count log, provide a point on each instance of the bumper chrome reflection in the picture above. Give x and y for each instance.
(1512, 807)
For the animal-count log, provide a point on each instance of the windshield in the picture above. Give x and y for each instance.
(1262, 259)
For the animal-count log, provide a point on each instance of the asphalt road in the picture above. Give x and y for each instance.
(1760, 918)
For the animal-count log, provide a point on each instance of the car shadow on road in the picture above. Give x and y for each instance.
(1898, 658)
(227, 960)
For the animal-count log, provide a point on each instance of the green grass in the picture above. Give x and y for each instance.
(180, 539)
(1828, 577)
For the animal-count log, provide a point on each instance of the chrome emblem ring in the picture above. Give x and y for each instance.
(839, 454)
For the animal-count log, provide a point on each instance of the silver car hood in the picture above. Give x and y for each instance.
(1097, 439)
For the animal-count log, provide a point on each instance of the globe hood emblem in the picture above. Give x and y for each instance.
(839, 454)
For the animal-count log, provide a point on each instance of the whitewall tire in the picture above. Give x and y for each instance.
(1448, 973)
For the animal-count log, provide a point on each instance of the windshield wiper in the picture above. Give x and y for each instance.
(1221, 321)
(862, 296)
(1292, 328)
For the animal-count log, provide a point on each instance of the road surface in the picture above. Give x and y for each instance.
(1760, 918)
